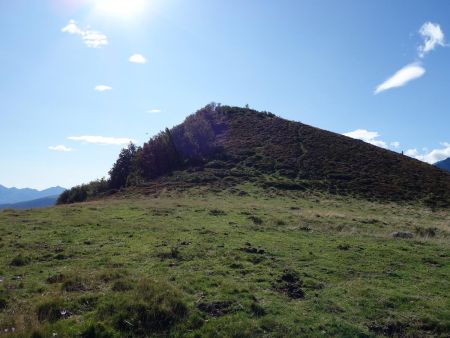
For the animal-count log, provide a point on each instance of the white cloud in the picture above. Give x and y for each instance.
(395, 144)
(403, 76)
(432, 156)
(102, 140)
(432, 36)
(102, 88)
(367, 136)
(72, 28)
(137, 58)
(154, 111)
(92, 39)
(60, 148)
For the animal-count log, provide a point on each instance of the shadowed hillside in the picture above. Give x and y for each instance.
(230, 145)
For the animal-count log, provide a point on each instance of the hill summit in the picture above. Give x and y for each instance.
(228, 145)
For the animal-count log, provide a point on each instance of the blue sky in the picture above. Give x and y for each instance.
(319, 62)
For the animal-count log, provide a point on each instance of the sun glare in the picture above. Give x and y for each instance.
(121, 8)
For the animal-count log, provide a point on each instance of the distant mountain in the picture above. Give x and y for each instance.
(43, 202)
(444, 164)
(14, 195)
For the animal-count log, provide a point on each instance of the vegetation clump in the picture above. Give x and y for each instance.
(3, 303)
(290, 284)
(75, 284)
(216, 308)
(57, 278)
(20, 260)
(152, 307)
(51, 310)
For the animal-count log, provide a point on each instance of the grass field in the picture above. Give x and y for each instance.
(235, 263)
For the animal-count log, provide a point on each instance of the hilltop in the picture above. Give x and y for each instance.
(225, 146)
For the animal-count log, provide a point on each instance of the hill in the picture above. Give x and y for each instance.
(226, 146)
(43, 202)
(14, 195)
(444, 164)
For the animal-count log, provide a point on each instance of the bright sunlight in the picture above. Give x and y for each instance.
(120, 8)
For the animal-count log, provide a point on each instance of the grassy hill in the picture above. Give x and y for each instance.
(232, 145)
(244, 261)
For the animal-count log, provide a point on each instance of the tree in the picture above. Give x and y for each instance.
(123, 167)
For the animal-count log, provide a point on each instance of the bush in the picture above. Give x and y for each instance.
(83, 192)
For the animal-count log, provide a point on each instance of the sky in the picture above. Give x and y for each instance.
(79, 79)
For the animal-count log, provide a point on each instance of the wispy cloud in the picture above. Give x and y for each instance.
(60, 148)
(432, 156)
(102, 140)
(91, 38)
(432, 36)
(403, 76)
(154, 111)
(395, 144)
(367, 136)
(137, 58)
(102, 88)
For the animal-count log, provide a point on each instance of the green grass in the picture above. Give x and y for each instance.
(202, 263)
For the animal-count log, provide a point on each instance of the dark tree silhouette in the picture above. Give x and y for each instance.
(123, 167)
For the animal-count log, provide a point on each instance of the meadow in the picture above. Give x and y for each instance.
(238, 262)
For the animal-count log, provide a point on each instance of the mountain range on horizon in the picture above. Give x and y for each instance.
(43, 202)
(444, 164)
(9, 196)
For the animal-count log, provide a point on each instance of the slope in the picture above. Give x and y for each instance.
(225, 145)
